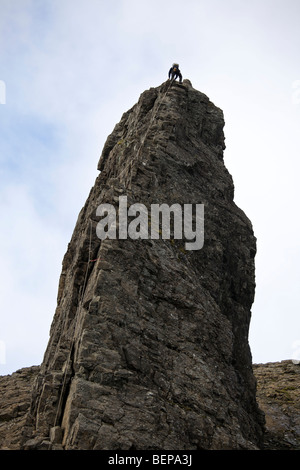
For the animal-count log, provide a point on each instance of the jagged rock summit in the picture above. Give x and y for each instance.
(148, 347)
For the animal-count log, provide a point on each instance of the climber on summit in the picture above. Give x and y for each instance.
(174, 72)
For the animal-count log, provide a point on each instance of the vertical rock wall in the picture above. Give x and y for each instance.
(148, 347)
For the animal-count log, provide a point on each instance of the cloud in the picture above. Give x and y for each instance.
(31, 252)
(72, 68)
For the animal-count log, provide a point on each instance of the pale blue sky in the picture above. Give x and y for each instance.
(72, 67)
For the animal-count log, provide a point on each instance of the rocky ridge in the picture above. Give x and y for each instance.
(278, 395)
(148, 346)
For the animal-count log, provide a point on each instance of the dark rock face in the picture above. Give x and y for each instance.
(149, 345)
(278, 395)
(15, 398)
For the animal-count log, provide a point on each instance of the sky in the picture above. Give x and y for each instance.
(68, 71)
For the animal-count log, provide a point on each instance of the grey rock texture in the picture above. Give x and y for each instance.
(148, 347)
(15, 399)
(278, 395)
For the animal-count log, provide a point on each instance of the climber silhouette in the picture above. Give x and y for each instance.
(174, 72)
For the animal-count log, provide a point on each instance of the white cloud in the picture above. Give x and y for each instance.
(31, 253)
(72, 68)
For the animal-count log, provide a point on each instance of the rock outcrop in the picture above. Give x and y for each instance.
(148, 347)
(15, 399)
(278, 395)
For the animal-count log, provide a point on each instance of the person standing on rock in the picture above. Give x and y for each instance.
(174, 72)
